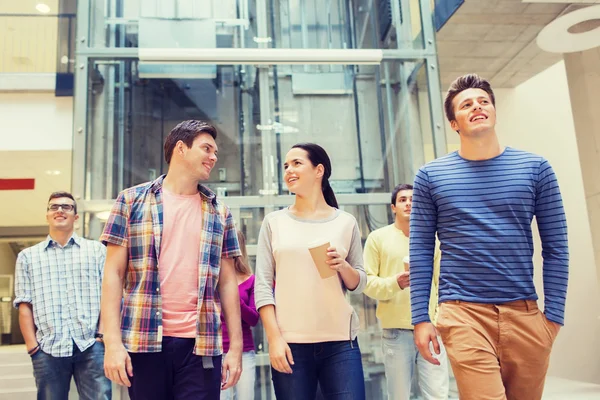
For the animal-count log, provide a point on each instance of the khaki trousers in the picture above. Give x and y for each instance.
(497, 351)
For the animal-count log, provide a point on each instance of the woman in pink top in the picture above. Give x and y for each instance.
(311, 328)
(244, 389)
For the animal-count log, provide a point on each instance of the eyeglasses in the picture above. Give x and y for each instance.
(65, 207)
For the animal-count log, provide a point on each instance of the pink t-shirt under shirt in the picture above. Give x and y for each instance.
(178, 263)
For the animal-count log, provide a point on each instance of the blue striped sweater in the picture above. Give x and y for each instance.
(482, 213)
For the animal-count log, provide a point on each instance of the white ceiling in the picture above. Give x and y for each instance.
(497, 40)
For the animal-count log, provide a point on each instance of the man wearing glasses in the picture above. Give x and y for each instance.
(57, 291)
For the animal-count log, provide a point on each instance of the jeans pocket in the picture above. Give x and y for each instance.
(390, 334)
(36, 354)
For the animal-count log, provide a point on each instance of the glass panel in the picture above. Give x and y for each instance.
(415, 22)
(323, 24)
(420, 82)
(400, 24)
(132, 109)
(66, 44)
(370, 119)
(373, 120)
(366, 117)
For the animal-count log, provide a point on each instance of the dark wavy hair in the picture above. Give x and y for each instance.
(187, 131)
(317, 155)
(469, 81)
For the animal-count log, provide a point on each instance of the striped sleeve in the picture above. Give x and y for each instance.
(552, 225)
(423, 223)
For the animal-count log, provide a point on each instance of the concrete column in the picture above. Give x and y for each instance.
(583, 75)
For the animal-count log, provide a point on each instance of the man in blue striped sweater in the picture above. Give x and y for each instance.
(481, 201)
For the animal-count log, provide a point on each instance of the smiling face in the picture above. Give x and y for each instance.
(300, 175)
(474, 113)
(57, 215)
(201, 157)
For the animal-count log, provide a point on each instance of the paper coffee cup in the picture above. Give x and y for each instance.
(318, 252)
(406, 261)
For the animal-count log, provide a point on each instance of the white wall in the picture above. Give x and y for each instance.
(36, 131)
(536, 116)
(35, 121)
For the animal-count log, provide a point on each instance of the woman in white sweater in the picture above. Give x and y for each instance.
(310, 326)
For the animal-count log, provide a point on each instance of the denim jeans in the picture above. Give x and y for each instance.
(244, 389)
(401, 356)
(53, 374)
(335, 366)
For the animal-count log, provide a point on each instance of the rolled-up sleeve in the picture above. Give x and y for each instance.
(355, 259)
(265, 268)
(116, 228)
(231, 246)
(22, 281)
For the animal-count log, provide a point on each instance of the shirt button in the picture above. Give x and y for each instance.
(157, 289)
(158, 313)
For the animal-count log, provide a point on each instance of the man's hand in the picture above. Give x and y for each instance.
(425, 333)
(281, 355)
(403, 279)
(36, 348)
(231, 369)
(117, 364)
(553, 326)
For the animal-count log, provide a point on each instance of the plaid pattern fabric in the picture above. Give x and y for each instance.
(63, 285)
(136, 221)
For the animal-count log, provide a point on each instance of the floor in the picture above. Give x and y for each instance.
(16, 380)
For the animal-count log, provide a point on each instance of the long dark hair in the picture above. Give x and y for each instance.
(317, 155)
(241, 262)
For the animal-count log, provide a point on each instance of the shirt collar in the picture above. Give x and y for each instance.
(205, 192)
(75, 238)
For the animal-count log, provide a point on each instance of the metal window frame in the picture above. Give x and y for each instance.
(258, 56)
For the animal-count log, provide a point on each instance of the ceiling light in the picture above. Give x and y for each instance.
(43, 8)
(556, 37)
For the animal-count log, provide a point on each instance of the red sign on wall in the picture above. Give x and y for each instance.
(17, 184)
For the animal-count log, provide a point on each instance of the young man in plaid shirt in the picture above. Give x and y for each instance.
(57, 292)
(171, 245)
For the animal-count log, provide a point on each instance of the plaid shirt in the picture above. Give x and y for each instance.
(136, 221)
(63, 285)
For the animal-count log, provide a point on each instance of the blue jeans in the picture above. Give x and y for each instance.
(53, 374)
(244, 389)
(335, 366)
(401, 356)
